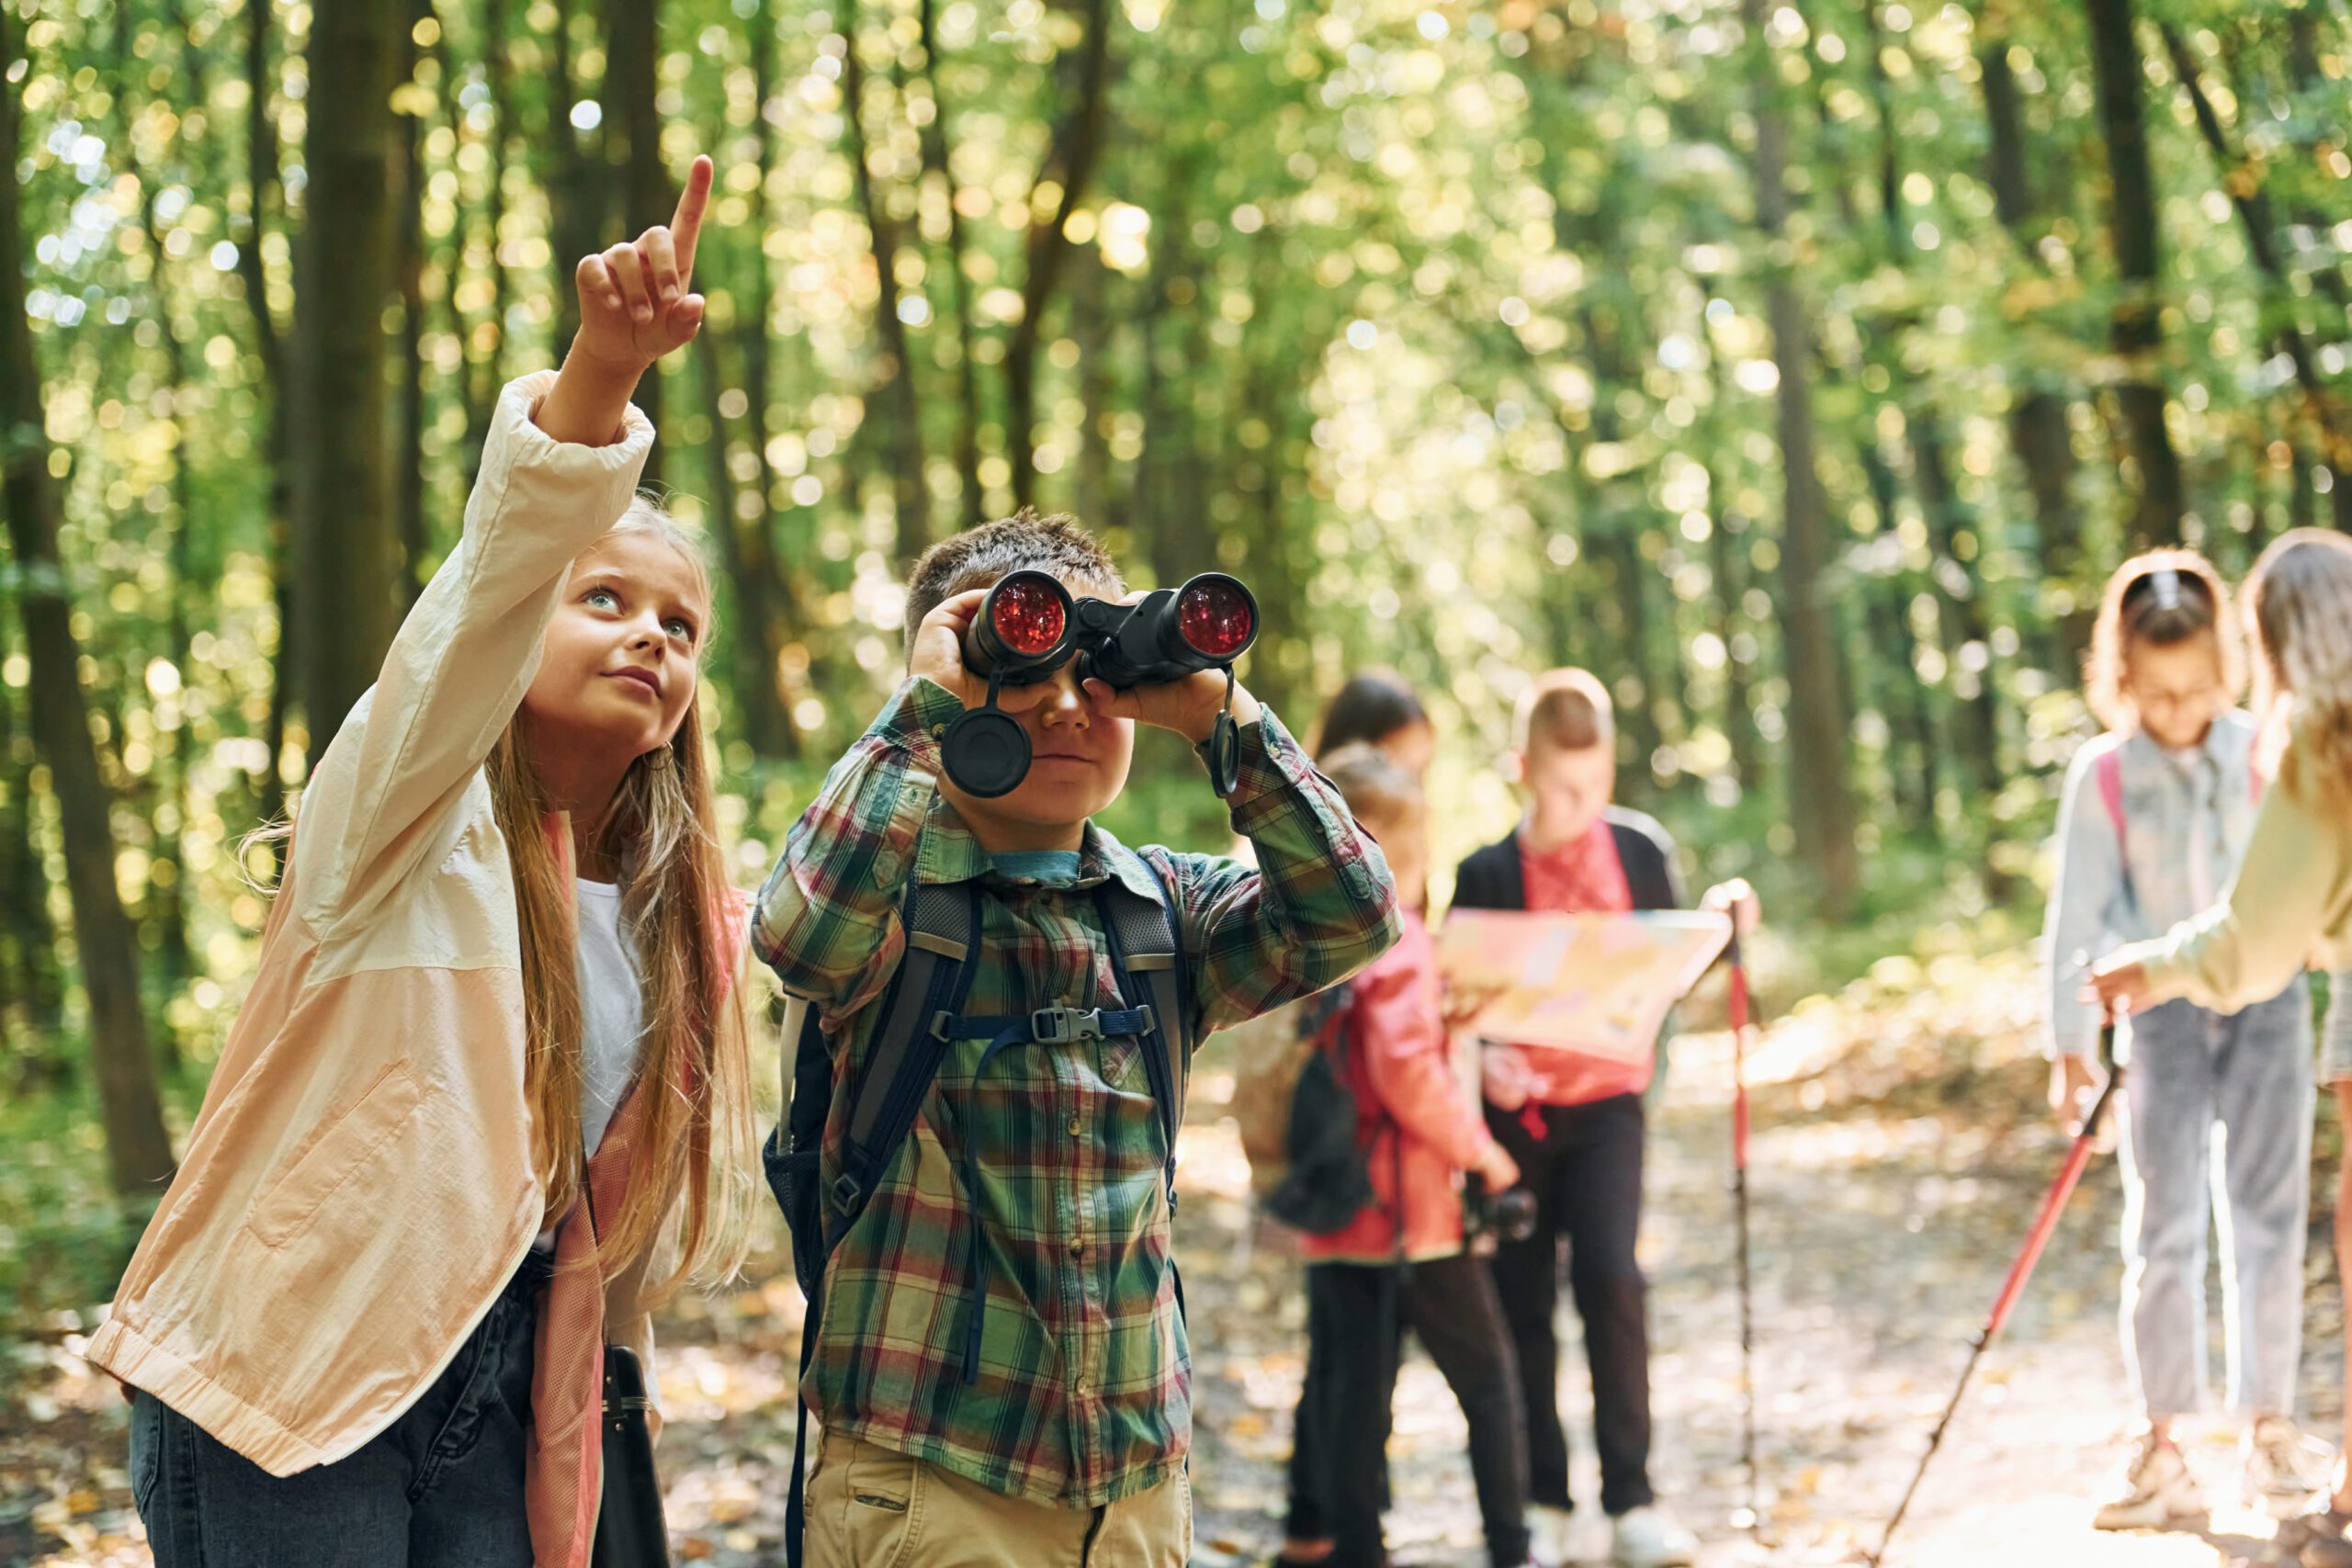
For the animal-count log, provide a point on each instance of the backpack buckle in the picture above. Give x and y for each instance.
(846, 1192)
(1059, 1026)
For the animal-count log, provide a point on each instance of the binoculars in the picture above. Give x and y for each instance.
(1507, 1215)
(1030, 626)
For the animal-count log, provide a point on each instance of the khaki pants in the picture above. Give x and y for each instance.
(869, 1507)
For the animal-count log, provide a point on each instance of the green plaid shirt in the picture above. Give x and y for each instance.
(1084, 1391)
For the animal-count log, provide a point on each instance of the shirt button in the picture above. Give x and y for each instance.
(1078, 1246)
(939, 732)
(1076, 1127)
(886, 867)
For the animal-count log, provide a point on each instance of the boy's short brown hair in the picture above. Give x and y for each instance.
(978, 557)
(1568, 708)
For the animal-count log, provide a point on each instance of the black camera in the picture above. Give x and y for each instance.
(1030, 626)
(1507, 1215)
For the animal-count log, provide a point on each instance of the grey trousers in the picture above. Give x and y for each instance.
(2217, 1131)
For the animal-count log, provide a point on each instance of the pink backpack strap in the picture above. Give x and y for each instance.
(2108, 771)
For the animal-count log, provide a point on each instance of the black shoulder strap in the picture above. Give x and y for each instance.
(1147, 956)
(943, 926)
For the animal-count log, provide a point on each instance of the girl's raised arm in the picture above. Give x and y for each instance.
(559, 470)
(634, 307)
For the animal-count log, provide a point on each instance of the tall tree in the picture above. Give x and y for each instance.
(2039, 423)
(894, 369)
(346, 549)
(167, 907)
(1821, 803)
(1068, 166)
(938, 165)
(138, 1151)
(2160, 497)
(633, 150)
(262, 191)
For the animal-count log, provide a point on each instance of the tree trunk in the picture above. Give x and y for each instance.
(487, 374)
(261, 181)
(762, 593)
(894, 376)
(574, 184)
(2137, 330)
(167, 904)
(1077, 146)
(138, 1151)
(633, 154)
(407, 192)
(35, 991)
(348, 555)
(936, 143)
(1960, 607)
(752, 644)
(2040, 429)
(1724, 565)
(1820, 796)
(1090, 324)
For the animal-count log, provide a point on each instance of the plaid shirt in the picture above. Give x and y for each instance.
(1084, 1391)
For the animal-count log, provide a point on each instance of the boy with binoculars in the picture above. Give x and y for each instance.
(978, 1163)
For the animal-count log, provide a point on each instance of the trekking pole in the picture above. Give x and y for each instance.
(1739, 1027)
(2053, 1206)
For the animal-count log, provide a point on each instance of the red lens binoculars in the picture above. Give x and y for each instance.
(1030, 626)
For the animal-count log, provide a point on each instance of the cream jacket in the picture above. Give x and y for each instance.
(2290, 905)
(359, 1187)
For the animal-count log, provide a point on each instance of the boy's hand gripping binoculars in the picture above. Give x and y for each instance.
(1030, 626)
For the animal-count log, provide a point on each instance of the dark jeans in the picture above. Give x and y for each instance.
(1587, 1178)
(1338, 1466)
(441, 1487)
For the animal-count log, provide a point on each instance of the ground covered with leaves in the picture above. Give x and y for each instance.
(1900, 1147)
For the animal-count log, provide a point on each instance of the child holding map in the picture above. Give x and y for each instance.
(1574, 1123)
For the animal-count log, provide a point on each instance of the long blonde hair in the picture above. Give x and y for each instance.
(689, 1191)
(2299, 607)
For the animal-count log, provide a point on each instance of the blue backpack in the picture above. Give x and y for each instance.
(922, 1015)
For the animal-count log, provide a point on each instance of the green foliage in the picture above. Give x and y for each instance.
(1443, 324)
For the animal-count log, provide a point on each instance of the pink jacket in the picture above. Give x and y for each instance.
(359, 1186)
(1408, 1086)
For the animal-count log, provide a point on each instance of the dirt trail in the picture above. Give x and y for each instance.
(1897, 1159)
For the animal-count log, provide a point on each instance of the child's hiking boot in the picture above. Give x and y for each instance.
(1649, 1537)
(2285, 1468)
(2157, 1491)
(1549, 1535)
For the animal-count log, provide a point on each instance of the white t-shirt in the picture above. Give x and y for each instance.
(612, 1012)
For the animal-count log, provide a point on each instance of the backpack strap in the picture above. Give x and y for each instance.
(935, 975)
(2108, 773)
(1147, 957)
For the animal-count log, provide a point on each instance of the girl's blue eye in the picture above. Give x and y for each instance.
(681, 628)
(596, 593)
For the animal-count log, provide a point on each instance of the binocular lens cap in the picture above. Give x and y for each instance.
(1223, 754)
(985, 751)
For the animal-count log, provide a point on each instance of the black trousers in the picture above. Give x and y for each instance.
(1585, 1173)
(1339, 1463)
